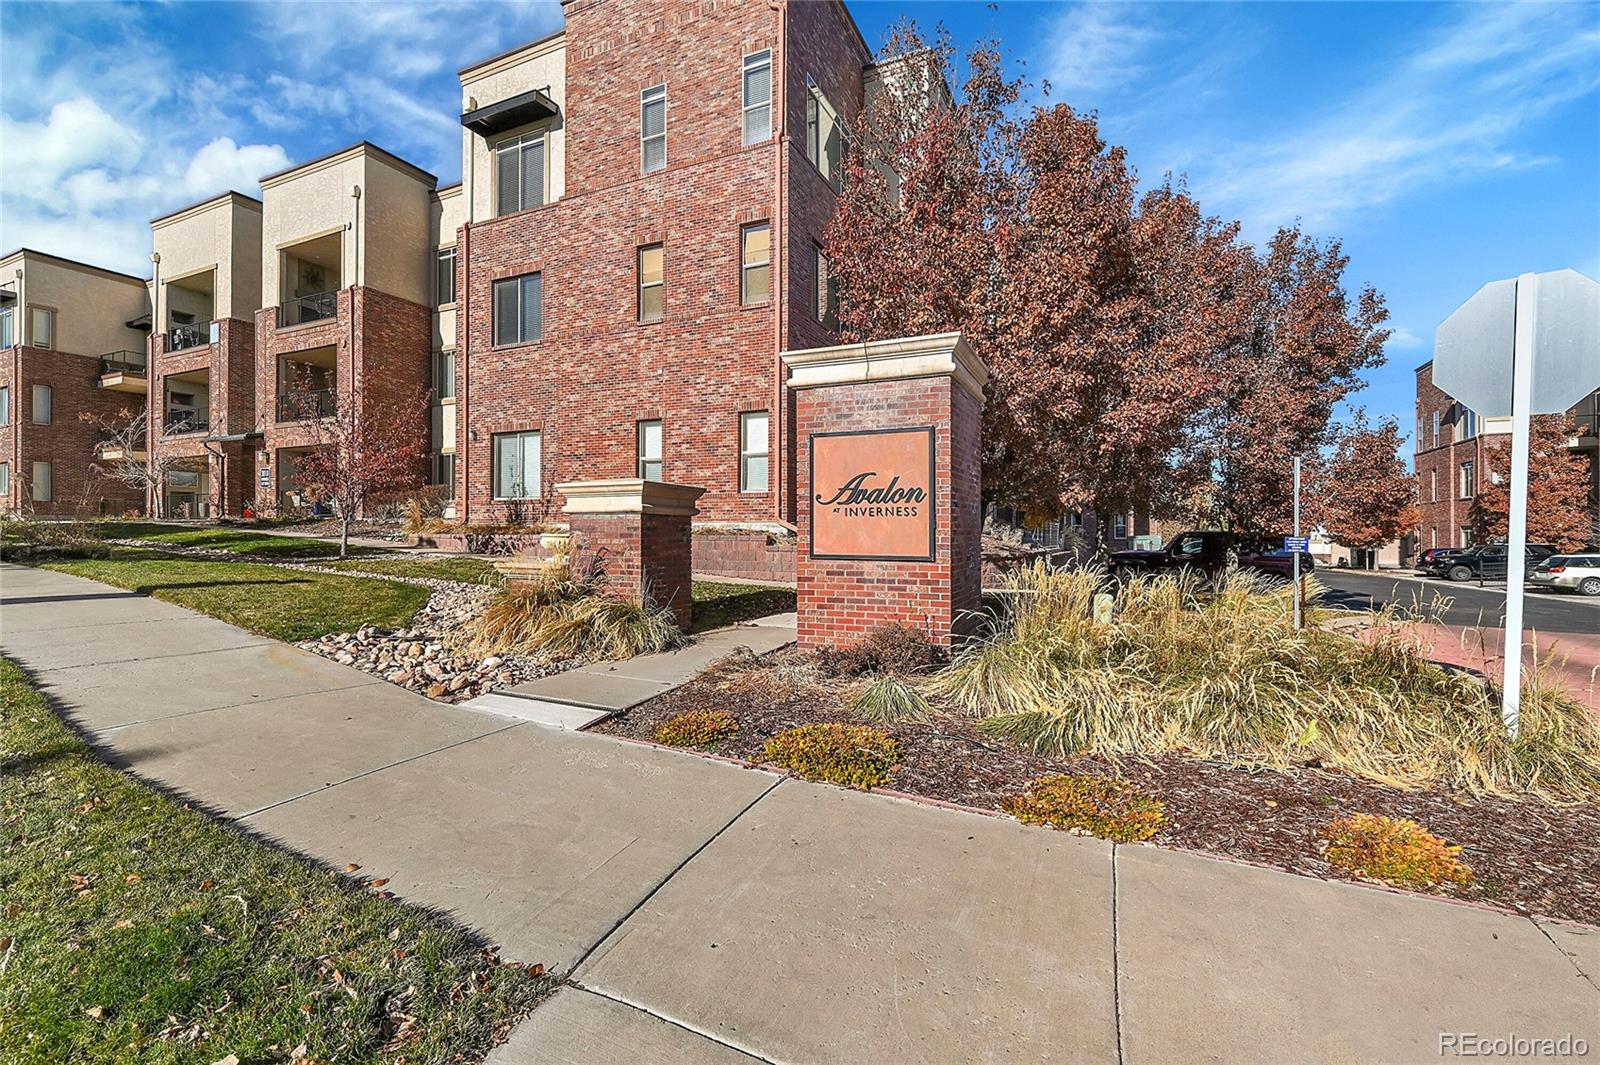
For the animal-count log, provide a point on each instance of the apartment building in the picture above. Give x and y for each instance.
(1451, 458)
(206, 281)
(643, 201)
(72, 344)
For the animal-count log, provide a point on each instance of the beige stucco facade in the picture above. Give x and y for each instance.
(91, 305)
(216, 243)
(383, 234)
(541, 65)
(447, 213)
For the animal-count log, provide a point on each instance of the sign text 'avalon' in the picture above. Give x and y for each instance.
(872, 494)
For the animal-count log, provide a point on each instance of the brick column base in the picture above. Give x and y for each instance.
(637, 536)
(887, 471)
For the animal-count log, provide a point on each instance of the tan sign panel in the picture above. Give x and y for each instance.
(872, 495)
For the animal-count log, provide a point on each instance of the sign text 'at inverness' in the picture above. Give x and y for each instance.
(872, 494)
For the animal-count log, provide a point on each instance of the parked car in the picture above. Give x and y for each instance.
(1487, 562)
(1576, 573)
(1211, 553)
(1427, 559)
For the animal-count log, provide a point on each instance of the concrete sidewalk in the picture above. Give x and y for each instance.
(707, 913)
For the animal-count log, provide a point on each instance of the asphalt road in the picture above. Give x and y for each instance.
(1469, 604)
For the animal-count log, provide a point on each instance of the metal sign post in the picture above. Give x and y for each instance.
(1299, 620)
(1517, 518)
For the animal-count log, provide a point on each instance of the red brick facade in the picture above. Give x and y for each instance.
(639, 556)
(231, 397)
(79, 487)
(752, 555)
(596, 371)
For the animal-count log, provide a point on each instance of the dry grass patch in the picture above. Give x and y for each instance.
(856, 756)
(1394, 850)
(560, 619)
(1107, 807)
(701, 729)
(889, 699)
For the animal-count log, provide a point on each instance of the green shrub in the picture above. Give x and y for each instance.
(856, 756)
(899, 650)
(889, 699)
(697, 728)
(1394, 850)
(1108, 807)
(1219, 671)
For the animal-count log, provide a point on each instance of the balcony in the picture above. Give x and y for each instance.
(314, 308)
(304, 405)
(188, 335)
(186, 421)
(124, 371)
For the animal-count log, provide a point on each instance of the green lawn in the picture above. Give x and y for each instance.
(718, 603)
(243, 541)
(450, 568)
(282, 603)
(141, 930)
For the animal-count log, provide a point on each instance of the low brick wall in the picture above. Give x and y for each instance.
(479, 543)
(753, 555)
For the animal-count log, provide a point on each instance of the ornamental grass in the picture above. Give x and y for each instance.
(1218, 671)
(557, 618)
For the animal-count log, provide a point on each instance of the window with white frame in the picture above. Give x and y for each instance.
(1469, 480)
(757, 97)
(5, 405)
(650, 450)
(755, 263)
(1435, 428)
(43, 412)
(1466, 537)
(517, 470)
(1466, 424)
(444, 277)
(824, 292)
(653, 128)
(8, 329)
(444, 374)
(518, 310)
(754, 451)
(519, 165)
(42, 326)
(44, 489)
(826, 140)
(1433, 486)
(652, 283)
(5, 480)
(1433, 536)
(444, 470)
(1119, 527)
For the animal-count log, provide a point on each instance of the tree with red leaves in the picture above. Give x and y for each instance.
(1365, 497)
(1559, 508)
(359, 456)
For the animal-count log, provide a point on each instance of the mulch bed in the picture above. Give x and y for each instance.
(1526, 856)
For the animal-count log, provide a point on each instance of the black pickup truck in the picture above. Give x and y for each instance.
(1213, 554)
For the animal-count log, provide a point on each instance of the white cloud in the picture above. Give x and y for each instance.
(76, 133)
(1097, 46)
(223, 165)
(1403, 339)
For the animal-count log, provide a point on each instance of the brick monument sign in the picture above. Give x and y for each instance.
(637, 534)
(887, 475)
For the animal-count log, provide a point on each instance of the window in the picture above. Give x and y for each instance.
(753, 451)
(653, 129)
(444, 374)
(757, 97)
(1469, 480)
(1435, 428)
(825, 293)
(652, 283)
(1075, 519)
(519, 173)
(1433, 536)
(1433, 485)
(5, 480)
(1119, 527)
(8, 336)
(755, 263)
(1466, 537)
(518, 313)
(43, 405)
(1466, 424)
(444, 471)
(5, 405)
(650, 451)
(42, 323)
(826, 142)
(516, 465)
(444, 277)
(44, 489)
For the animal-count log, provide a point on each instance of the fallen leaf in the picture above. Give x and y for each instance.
(134, 878)
(352, 867)
(5, 944)
(207, 885)
(535, 971)
(231, 1059)
(95, 1012)
(124, 923)
(380, 882)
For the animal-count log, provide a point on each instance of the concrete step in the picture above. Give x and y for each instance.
(546, 712)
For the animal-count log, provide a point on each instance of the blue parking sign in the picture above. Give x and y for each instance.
(1297, 543)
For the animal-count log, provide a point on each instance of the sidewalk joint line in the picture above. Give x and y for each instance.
(691, 1029)
(378, 769)
(259, 642)
(1116, 957)
(107, 729)
(1593, 980)
(674, 871)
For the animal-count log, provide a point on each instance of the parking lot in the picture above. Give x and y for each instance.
(1469, 603)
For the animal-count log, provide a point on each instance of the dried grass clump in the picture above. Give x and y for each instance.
(889, 699)
(1108, 807)
(556, 618)
(1219, 672)
(897, 650)
(856, 756)
(1394, 850)
(697, 728)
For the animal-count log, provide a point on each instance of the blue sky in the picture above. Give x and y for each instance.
(1445, 144)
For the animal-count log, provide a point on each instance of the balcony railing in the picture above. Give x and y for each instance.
(304, 405)
(122, 362)
(187, 421)
(313, 308)
(189, 335)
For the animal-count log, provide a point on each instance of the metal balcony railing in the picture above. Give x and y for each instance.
(122, 362)
(186, 421)
(189, 335)
(313, 308)
(304, 405)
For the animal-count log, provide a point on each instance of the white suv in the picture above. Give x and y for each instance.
(1579, 573)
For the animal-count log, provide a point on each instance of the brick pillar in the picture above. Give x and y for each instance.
(638, 535)
(887, 471)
